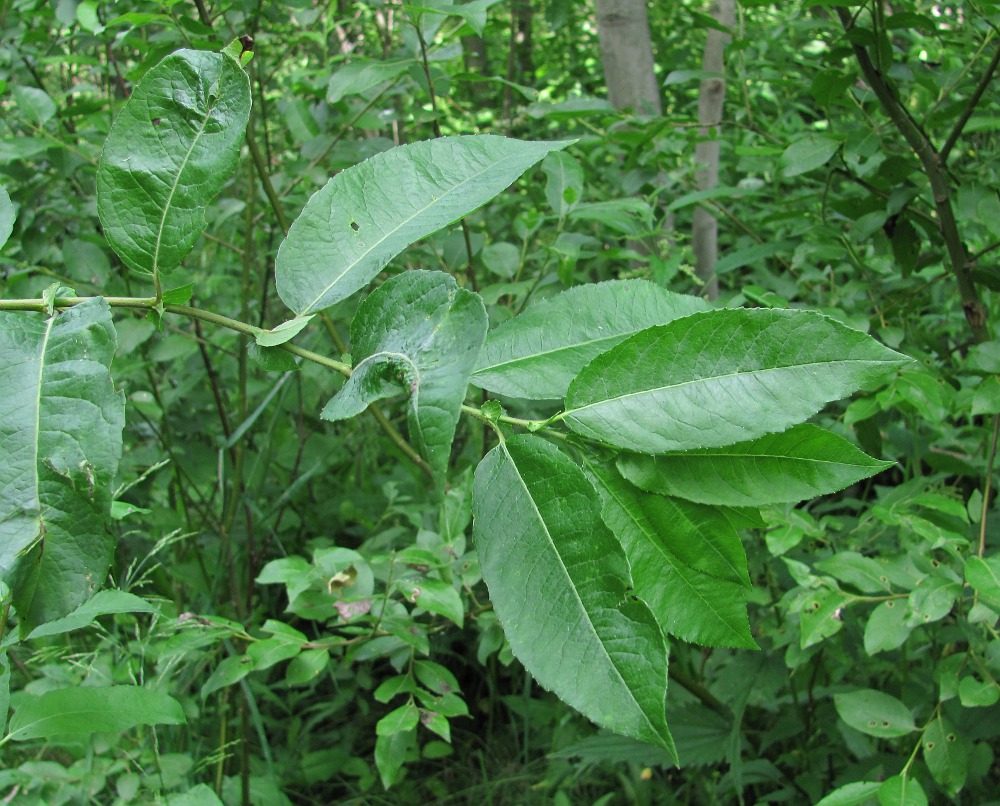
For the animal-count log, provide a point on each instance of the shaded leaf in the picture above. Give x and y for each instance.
(874, 713)
(853, 794)
(946, 755)
(420, 332)
(559, 584)
(721, 377)
(89, 709)
(7, 216)
(103, 603)
(60, 443)
(901, 790)
(983, 574)
(801, 463)
(686, 602)
(537, 354)
(169, 152)
(367, 214)
(808, 153)
(887, 628)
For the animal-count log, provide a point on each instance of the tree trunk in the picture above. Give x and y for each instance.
(712, 94)
(627, 55)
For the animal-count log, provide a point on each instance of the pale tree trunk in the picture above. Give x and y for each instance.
(627, 55)
(712, 94)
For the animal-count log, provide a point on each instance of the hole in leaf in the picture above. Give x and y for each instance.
(156, 121)
(354, 226)
(929, 745)
(950, 737)
(885, 723)
(890, 604)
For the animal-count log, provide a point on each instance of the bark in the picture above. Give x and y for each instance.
(627, 55)
(520, 59)
(711, 96)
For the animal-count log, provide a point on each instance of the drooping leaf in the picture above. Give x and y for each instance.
(7, 216)
(89, 709)
(803, 462)
(688, 603)
(875, 713)
(887, 628)
(559, 583)
(537, 354)
(946, 754)
(983, 574)
(60, 442)
(721, 377)
(367, 214)
(420, 332)
(169, 152)
(103, 603)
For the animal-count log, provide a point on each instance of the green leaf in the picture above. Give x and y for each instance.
(721, 377)
(89, 709)
(7, 216)
(901, 790)
(853, 794)
(983, 574)
(60, 443)
(973, 693)
(559, 584)
(946, 755)
(537, 354)
(103, 603)
(421, 332)
(887, 628)
(687, 603)
(34, 104)
(265, 654)
(361, 75)
(367, 214)
(391, 750)
(564, 182)
(862, 572)
(168, 154)
(404, 718)
(435, 596)
(272, 359)
(821, 616)
(307, 666)
(229, 672)
(874, 713)
(200, 795)
(799, 464)
(286, 331)
(808, 153)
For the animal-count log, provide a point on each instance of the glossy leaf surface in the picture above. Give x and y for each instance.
(537, 354)
(421, 333)
(721, 377)
(169, 153)
(687, 602)
(801, 463)
(60, 443)
(366, 215)
(559, 583)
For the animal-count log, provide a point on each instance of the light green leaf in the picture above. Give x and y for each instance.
(229, 671)
(200, 795)
(537, 354)
(808, 153)
(973, 693)
(307, 666)
(946, 755)
(435, 596)
(721, 377)
(286, 331)
(103, 603)
(473, 12)
(559, 584)
(404, 718)
(361, 75)
(418, 331)
(89, 709)
(265, 654)
(985, 401)
(887, 628)
(686, 602)
(7, 216)
(821, 616)
(862, 572)
(801, 463)
(169, 152)
(874, 713)
(983, 574)
(367, 214)
(564, 182)
(854, 794)
(391, 750)
(901, 790)
(60, 443)
(34, 104)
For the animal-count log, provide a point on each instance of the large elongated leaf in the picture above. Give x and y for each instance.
(559, 583)
(60, 442)
(169, 152)
(801, 463)
(418, 332)
(721, 377)
(537, 354)
(88, 709)
(687, 602)
(363, 217)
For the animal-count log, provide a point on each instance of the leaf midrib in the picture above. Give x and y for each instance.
(573, 588)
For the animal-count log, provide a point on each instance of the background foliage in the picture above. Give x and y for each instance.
(268, 562)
